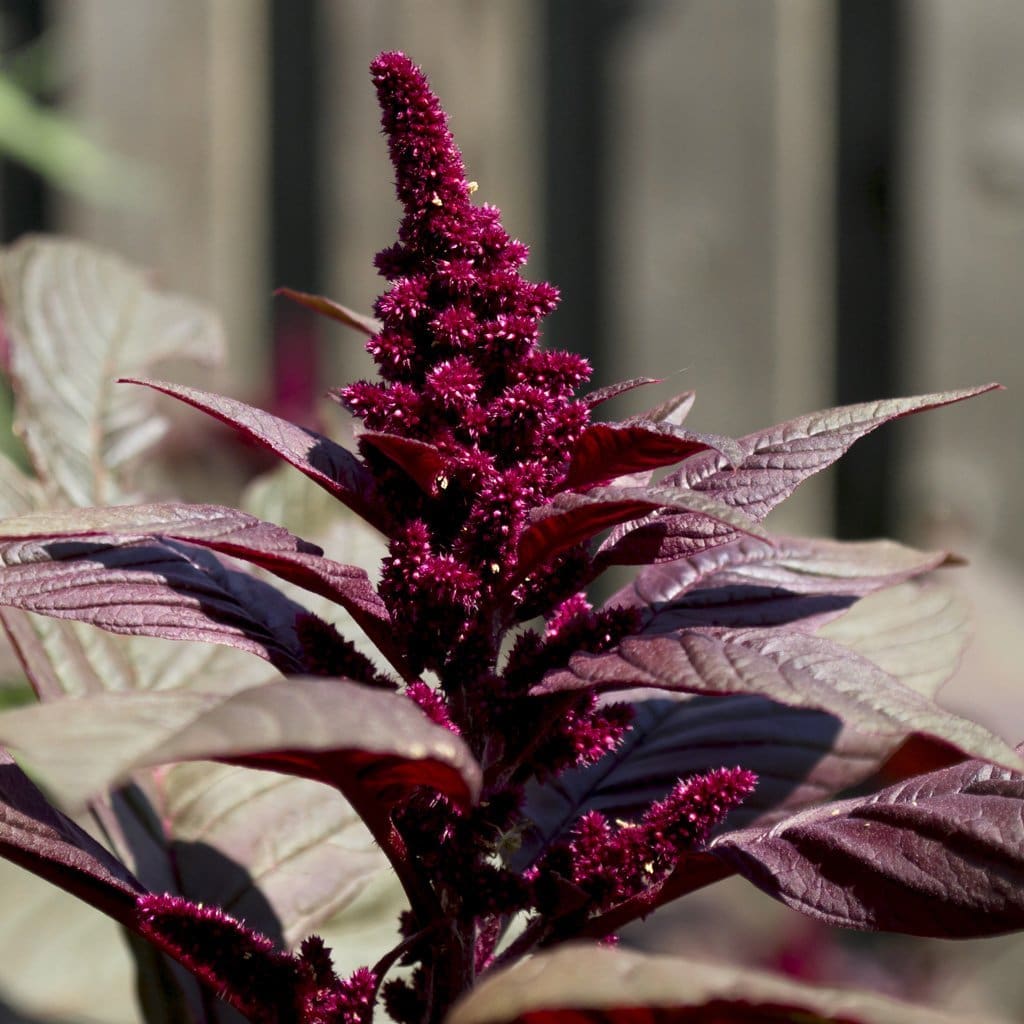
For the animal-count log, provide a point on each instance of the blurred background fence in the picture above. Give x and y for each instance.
(784, 204)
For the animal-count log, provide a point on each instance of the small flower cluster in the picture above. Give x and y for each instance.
(616, 862)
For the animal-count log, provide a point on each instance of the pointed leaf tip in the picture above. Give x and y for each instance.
(335, 310)
(324, 461)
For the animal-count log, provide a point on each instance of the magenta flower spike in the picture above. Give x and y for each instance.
(493, 415)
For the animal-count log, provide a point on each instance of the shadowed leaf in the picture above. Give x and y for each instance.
(792, 564)
(152, 588)
(792, 668)
(283, 854)
(226, 531)
(801, 757)
(941, 854)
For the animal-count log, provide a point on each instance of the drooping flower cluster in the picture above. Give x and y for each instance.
(268, 986)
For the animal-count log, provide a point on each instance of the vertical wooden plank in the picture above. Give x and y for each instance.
(965, 198)
(868, 231)
(691, 224)
(721, 212)
(804, 325)
(239, 282)
(177, 88)
(961, 480)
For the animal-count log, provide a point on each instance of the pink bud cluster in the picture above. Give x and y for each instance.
(615, 861)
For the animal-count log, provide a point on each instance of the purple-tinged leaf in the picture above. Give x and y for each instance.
(285, 497)
(792, 668)
(737, 607)
(41, 839)
(77, 315)
(373, 745)
(422, 462)
(609, 450)
(666, 538)
(151, 588)
(281, 853)
(334, 310)
(605, 394)
(776, 462)
(571, 518)
(780, 458)
(792, 564)
(324, 461)
(941, 855)
(590, 984)
(224, 530)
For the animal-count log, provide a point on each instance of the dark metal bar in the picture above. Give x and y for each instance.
(25, 202)
(296, 219)
(868, 335)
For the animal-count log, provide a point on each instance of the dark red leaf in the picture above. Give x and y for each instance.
(939, 855)
(571, 518)
(776, 462)
(335, 310)
(421, 461)
(324, 461)
(608, 450)
(36, 836)
(224, 530)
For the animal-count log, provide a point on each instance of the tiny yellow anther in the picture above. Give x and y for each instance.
(436, 199)
(473, 186)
